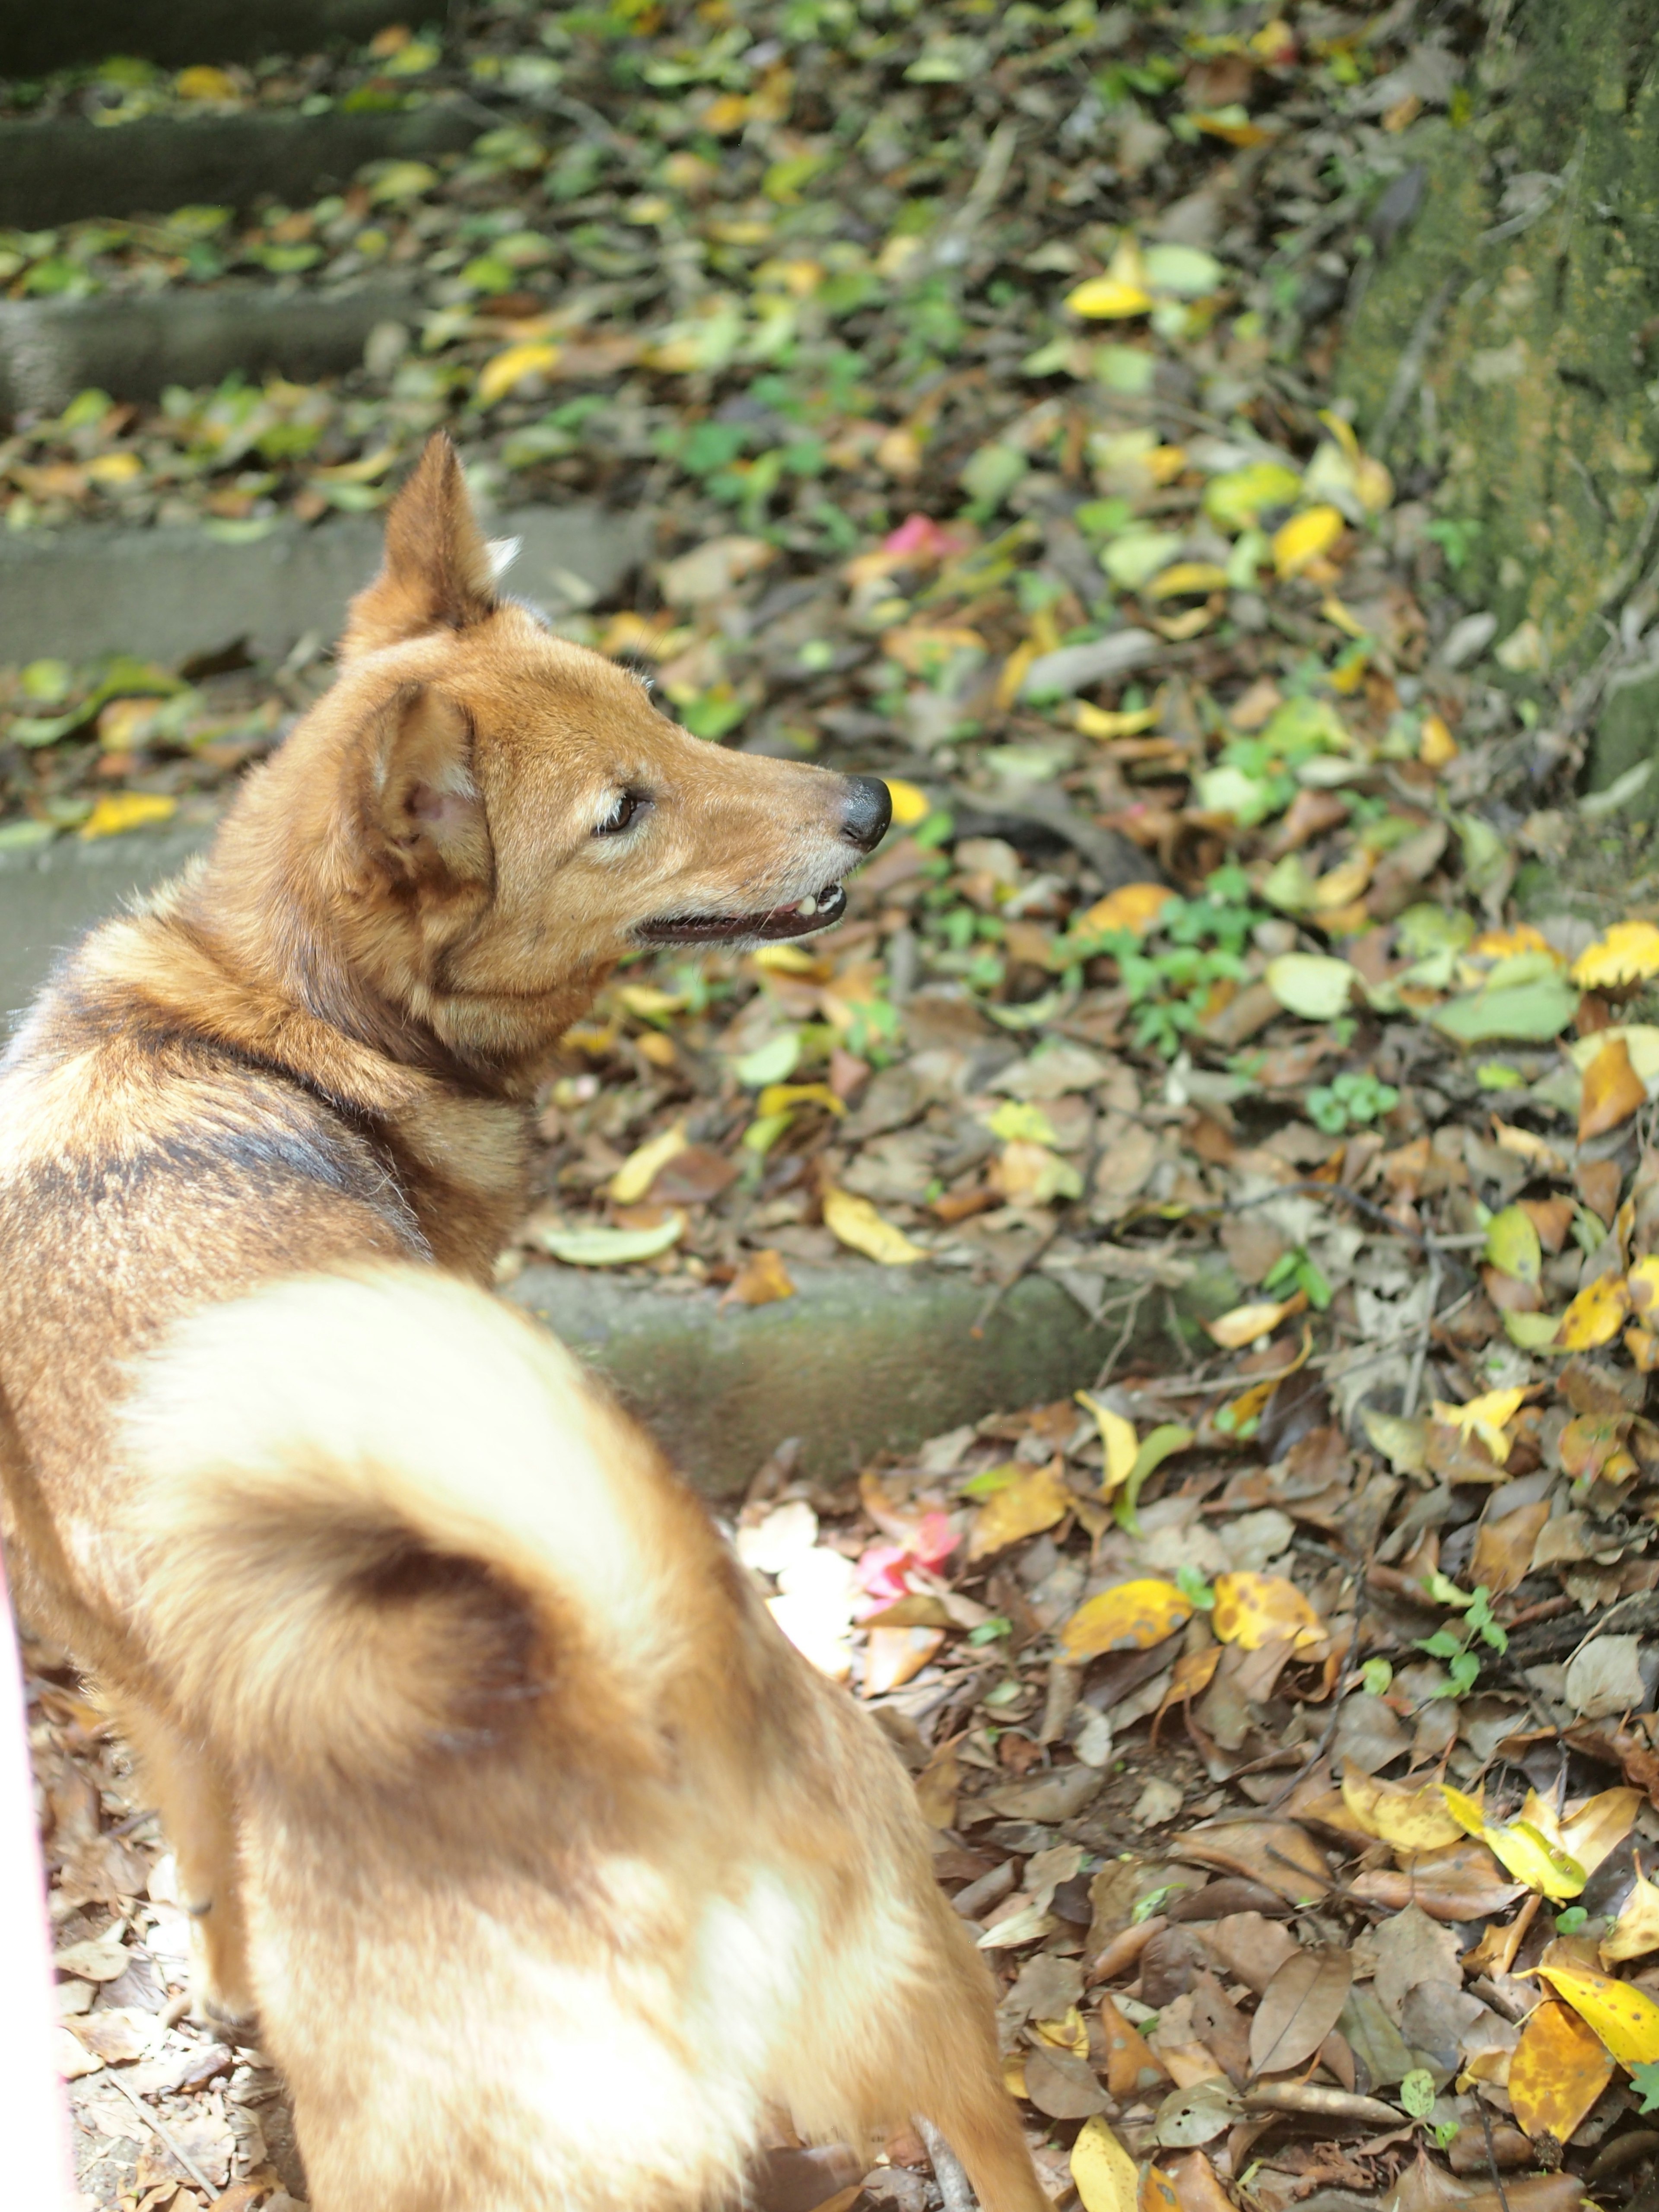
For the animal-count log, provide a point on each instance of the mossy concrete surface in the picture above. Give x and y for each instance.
(34, 40)
(64, 168)
(861, 1360)
(1514, 318)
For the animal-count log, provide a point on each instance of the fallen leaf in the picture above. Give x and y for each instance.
(1301, 540)
(1063, 2086)
(1102, 300)
(1158, 2191)
(1612, 1089)
(1198, 2115)
(1277, 1854)
(1463, 1881)
(1487, 1417)
(1132, 1616)
(120, 811)
(1245, 1324)
(601, 1247)
(96, 1959)
(1625, 2018)
(1311, 984)
(910, 804)
(1299, 2008)
(856, 1222)
(1596, 1316)
(937, 1784)
(893, 1655)
(1253, 1609)
(761, 1280)
(1557, 2071)
(1133, 908)
(1118, 1442)
(1107, 2177)
(1409, 1820)
(1626, 953)
(1636, 1931)
(1524, 1845)
(1410, 1948)
(1037, 1498)
(1513, 1246)
(639, 1170)
(503, 370)
(1133, 2068)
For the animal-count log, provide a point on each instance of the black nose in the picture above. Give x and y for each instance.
(867, 811)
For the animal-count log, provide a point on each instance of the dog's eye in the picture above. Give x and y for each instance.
(628, 805)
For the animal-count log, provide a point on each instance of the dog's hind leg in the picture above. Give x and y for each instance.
(197, 1815)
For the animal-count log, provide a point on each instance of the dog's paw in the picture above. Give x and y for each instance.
(219, 1997)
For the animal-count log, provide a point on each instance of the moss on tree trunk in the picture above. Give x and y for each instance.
(1510, 342)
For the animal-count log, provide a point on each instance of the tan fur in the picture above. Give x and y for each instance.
(545, 1863)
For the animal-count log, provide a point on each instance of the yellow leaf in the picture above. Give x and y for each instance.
(1436, 746)
(788, 960)
(1613, 1091)
(1531, 1854)
(1344, 617)
(1133, 1617)
(1107, 2177)
(1164, 463)
(1186, 577)
(127, 810)
(1037, 1498)
(1305, 537)
(1558, 2070)
(1133, 907)
(856, 1222)
(1244, 1324)
(503, 370)
(1118, 1441)
(1596, 1316)
(1103, 300)
(893, 1655)
(1636, 1931)
(1487, 1417)
(910, 805)
(363, 471)
(648, 1002)
(1626, 953)
(1599, 1826)
(1013, 673)
(1341, 886)
(639, 1170)
(1625, 2018)
(1097, 722)
(115, 468)
(1251, 1610)
(204, 83)
(1158, 2191)
(1409, 1819)
(780, 1097)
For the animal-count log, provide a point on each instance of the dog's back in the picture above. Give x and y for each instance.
(561, 1867)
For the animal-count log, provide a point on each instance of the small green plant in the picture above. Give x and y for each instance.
(1203, 944)
(1355, 1095)
(1193, 1587)
(1570, 1922)
(1456, 539)
(1296, 1270)
(1462, 1662)
(990, 1631)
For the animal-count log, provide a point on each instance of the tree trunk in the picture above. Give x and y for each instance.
(1509, 344)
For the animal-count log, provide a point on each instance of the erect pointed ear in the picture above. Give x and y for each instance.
(437, 574)
(426, 813)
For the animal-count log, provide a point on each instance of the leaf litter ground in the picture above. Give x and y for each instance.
(1283, 1707)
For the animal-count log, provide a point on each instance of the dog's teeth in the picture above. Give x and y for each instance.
(807, 906)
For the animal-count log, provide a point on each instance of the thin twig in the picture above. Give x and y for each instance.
(1421, 1349)
(165, 2136)
(948, 2170)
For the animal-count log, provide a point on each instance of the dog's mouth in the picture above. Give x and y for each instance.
(798, 918)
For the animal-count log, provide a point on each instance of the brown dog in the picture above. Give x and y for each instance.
(361, 1668)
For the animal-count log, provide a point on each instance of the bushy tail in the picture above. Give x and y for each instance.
(382, 1513)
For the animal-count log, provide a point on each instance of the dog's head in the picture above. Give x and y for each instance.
(506, 815)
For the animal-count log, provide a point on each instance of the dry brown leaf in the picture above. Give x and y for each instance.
(1036, 1499)
(1133, 2068)
(893, 1655)
(1277, 1854)
(1299, 2008)
(938, 1784)
(1463, 1881)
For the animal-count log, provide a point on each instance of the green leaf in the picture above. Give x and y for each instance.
(1192, 1585)
(1417, 2092)
(774, 1061)
(603, 1247)
(1311, 984)
(1167, 1437)
(1528, 1012)
(1644, 2079)
(1512, 1245)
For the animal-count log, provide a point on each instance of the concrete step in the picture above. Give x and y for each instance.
(61, 168)
(35, 40)
(135, 345)
(169, 594)
(861, 1360)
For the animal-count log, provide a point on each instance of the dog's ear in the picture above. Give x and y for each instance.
(426, 812)
(437, 572)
